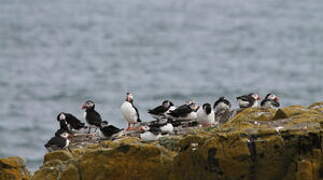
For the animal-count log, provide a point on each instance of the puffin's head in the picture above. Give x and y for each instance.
(194, 106)
(129, 97)
(207, 108)
(167, 104)
(88, 105)
(255, 96)
(273, 97)
(62, 133)
(144, 128)
(61, 116)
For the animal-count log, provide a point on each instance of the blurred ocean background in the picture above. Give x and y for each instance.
(54, 55)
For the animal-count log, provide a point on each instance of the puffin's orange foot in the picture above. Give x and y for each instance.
(129, 129)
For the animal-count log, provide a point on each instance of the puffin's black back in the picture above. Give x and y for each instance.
(56, 141)
(109, 130)
(93, 117)
(158, 110)
(74, 122)
(181, 111)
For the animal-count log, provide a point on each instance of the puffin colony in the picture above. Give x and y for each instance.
(168, 119)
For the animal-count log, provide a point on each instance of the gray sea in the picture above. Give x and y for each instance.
(54, 55)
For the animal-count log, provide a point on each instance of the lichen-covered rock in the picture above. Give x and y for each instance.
(13, 168)
(255, 144)
(316, 105)
(290, 111)
(62, 155)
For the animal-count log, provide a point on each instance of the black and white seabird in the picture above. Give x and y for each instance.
(250, 100)
(129, 112)
(150, 133)
(69, 122)
(270, 101)
(109, 131)
(160, 112)
(59, 141)
(92, 117)
(221, 104)
(205, 115)
(222, 110)
(185, 112)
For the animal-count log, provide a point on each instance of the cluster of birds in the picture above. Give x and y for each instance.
(167, 117)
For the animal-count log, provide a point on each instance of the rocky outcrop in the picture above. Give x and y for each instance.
(255, 144)
(13, 168)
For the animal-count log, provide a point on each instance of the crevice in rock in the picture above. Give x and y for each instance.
(213, 163)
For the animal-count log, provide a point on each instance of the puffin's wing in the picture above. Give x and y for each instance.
(182, 110)
(74, 122)
(139, 120)
(109, 130)
(244, 98)
(56, 142)
(157, 110)
(94, 118)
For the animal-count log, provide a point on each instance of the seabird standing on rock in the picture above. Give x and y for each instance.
(205, 115)
(160, 112)
(69, 122)
(150, 133)
(250, 100)
(270, 101)
(92, 117)
(130, 112)
(222, 110)
(59, 141)
(109, 131)
(221, 104)
(185, 112)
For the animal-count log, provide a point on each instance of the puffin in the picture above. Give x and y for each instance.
(150, 133)
(205, 115)
(59, 141)
(109, 131)
(160, 112)
(222, 110)
(69, 122)
(247, 101)
(270, 101)
(92, 117)
(185, 112)
(129, 111)
(165, 127)
(221, 104)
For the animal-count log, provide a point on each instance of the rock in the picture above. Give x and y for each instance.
(289, 111)
(317, 105)
(62, 155)
(256, 143)
(71, 172)
(46, 173)
(13, 168)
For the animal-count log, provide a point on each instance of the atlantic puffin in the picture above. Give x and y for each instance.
(59, 141)
(161, 111)
(109, 131)
(270, 101)
(150, 133)
(69, 122)
(250, 100)
(221, 104)
(129, 112)
(185, 112)
(92, 117)
(205, 115)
